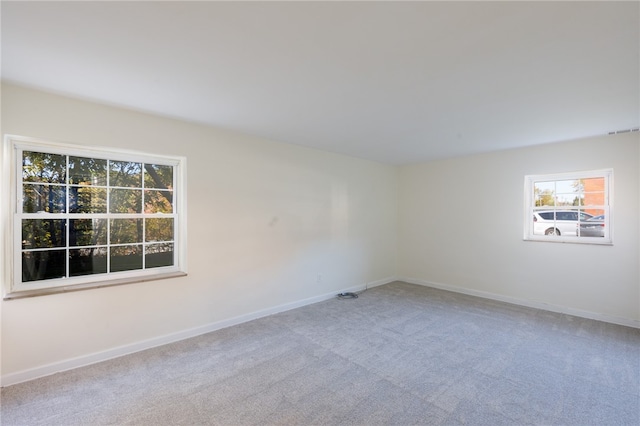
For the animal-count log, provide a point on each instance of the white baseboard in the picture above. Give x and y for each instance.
(370, 284)
(528, 303)
(69, 364)
(381, 282)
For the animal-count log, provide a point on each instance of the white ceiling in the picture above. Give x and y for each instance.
(387, 81)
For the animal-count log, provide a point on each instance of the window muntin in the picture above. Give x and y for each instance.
(91, 217)
(569, 207)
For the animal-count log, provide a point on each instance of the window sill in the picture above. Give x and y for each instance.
(78, 287)
(595, 241)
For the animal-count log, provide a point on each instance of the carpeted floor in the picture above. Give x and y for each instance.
(399, 354)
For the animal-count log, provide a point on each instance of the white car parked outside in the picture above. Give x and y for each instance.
(565, 222)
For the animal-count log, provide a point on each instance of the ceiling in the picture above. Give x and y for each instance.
(392, 82)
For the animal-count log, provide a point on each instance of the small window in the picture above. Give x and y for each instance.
(85, 217)
(569, 207)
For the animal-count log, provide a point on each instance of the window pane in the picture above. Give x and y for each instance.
(125, 173)
(593, 226)
(158, 255)
(43, 198)
(43, 233)
(567, 186)
(86, 199)
(126, 258)
(544, 193)
(126, 231)
(158, 202)
(593, 192)
(42, 167)
(87, 232)
(87, 261)
(159, 177)
(159, 229)
(87, 171)
(568, 192)
(125, 201)
(43, 265)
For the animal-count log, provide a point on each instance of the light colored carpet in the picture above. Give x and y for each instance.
(399, 354)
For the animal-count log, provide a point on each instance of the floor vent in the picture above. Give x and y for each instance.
(635, 129)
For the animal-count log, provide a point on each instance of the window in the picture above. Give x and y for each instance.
(86, 217)
(569, 207)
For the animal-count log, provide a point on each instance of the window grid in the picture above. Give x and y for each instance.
(152, 200)
(569, 207)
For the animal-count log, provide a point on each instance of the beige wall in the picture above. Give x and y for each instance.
(273, 226)
(269, 225)
(461, 227)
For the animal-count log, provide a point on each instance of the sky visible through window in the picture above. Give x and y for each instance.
(574, 192)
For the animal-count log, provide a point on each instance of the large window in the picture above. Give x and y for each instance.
(85, 217)
(569, 207)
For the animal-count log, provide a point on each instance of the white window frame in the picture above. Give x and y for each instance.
(12, 215)
(529, 201)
